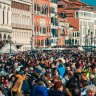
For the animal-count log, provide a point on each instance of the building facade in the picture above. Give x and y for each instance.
(70, 9)
(54, 22)
(5, 20)
(87, 27)
(62, 31)
(41, 23)
(21, 23)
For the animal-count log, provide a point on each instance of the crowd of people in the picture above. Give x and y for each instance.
(50, 73)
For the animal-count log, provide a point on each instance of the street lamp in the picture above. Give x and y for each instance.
(91, 41)
(86, 42)
(94, 43)
(31, 43)
(10, 41)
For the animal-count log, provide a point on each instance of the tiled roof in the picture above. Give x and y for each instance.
(75, 4)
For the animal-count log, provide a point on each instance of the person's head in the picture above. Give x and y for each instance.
(83, 83)
(40, 83)
(56, 72)
(13, 78)
(2, 79)
(76, 92)
(94, 70)
(68, 68)
(83, 77)
(92, 76)
(6, 79)
(52, 65)
(91, 90)
(58, 86)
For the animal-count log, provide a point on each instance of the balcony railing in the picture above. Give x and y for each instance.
(22, 26)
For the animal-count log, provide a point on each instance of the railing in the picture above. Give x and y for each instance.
(22, 26)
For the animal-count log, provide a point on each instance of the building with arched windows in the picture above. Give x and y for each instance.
(81, 17)
(5, 19)
(5, 22)
(21, 23)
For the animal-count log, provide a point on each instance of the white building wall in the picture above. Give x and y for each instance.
(86, 24)
(22, 26)
(5, 22)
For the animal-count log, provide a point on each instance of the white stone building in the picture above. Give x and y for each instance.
(21, 23)
(87, 25)
(5, 19)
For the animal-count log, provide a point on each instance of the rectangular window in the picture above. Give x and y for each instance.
(47, 29)
(37, 28)
(34, 28)
(77, 15)
(7, 17)
(60, 6)
(20, 6)
(35, 7)
(3, 17)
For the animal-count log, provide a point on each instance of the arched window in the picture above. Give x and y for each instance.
(75, 41)
(46, 42)
(42, 42)
(75, 34)
(72, 41)
(8, 15)
(3, 15)
(38, 42)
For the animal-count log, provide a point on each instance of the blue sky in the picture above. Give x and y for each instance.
(90, 2)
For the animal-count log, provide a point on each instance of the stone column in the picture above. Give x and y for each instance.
(5, 15)
(1, 16)
(9, 16)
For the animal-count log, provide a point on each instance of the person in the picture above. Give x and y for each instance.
(45, 77)
(17, 87)
(61, 70)
(57, 90)
(91, 90)
(40, 89)
(76, 92)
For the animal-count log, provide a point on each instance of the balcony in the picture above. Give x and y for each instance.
(54, 26)
(21, 26)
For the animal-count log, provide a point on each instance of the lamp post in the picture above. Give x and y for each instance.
(94, 43)
(31, 43)
(91, 41)
(10, 41)
(86, 42)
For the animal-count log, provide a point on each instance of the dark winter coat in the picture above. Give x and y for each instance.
(55, 93)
